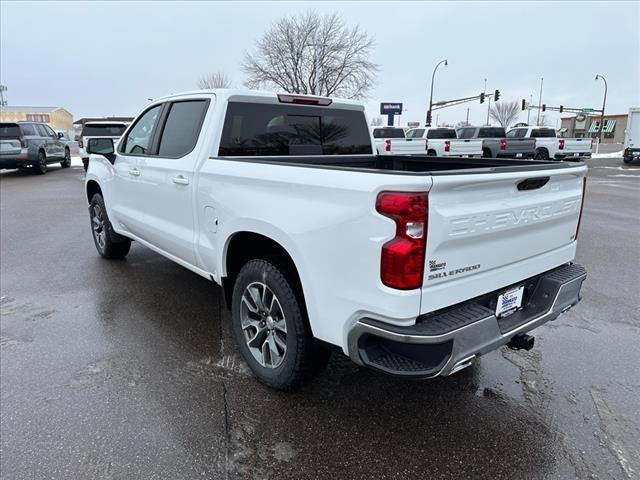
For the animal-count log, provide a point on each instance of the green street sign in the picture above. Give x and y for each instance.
(587, 110)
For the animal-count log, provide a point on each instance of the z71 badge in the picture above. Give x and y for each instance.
(451, 273)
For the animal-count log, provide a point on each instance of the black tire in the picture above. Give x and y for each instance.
(103, 233)
(303, 356)
(627, 159)
(40, 165)
(66, 161)
(486, 153)
(431, 153)
(541, 154)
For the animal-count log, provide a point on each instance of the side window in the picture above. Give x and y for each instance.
(41, 131)
(466, 132)
(50, 133)
(28, 130)
(182, 127)
(138, 140)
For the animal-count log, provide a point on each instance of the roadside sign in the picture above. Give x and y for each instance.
(587, 110)
(413, 124)
(390, 108)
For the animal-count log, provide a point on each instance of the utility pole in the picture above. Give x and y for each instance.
(540, 101)
(489, 102)
(437, 117)
(316, 63)
(3, 102)
(467, 116)
(529, 109)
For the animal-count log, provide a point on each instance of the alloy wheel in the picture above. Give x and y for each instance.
(99, 233)
(263, 325)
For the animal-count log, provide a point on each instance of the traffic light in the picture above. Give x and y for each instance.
(482, 97)
(561, 108)
(524, 104)
(544, 107)
(429, 118)
(496, 95)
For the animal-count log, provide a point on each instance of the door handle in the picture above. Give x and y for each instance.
(180, 180)
(134, 172)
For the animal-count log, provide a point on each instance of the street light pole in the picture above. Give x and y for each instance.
(539, 102)
(431, 94)
(489, 100)
(604, 102)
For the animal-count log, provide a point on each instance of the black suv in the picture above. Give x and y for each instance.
(31, 144)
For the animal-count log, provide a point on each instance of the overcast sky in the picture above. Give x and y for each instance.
(107, 58)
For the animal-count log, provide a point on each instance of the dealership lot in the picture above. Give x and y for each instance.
(129, 370)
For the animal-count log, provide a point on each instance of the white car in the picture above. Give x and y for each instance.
(444, 142)
(549, 146)
(410, 265)
(99, 129)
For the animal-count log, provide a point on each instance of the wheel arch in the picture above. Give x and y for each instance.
(92, 188)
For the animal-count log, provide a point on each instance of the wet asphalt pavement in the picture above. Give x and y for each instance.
(128, 369)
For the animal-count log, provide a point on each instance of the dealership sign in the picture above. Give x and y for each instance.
(390, 108)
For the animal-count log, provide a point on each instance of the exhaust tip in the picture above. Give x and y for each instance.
(521, 342)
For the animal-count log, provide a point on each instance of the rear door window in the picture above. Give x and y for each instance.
(279, 130)
(41, 131)
(182, 128)
(103, 130)
(439, 133)
(517, 133)
(9, 130)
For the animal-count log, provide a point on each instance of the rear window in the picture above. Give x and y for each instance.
(543, 133)
(103, 130)
(268, 130)
(9, 130)
(516, 133)
(437, 133)
(491, 132)
(388, 133)
(416, 133)
(182, 128)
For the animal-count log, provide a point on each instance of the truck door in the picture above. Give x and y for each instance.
(166, 188)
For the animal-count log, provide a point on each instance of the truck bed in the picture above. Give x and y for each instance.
(411, 164)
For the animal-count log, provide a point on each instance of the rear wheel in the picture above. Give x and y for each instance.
(270, 327)
(541, 154)
(486, 153)
(40, 165)
(66, 161)
(103, 232)
(431, 153)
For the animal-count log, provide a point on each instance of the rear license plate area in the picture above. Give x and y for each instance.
(509, 301)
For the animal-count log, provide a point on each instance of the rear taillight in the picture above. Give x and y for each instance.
(503, 145)
(23, 143)
(447, 145)
(561, 144)
(403, 257)
(80, 144)
(426, 145)
(584, 193)
(591, 144)
(387, 145)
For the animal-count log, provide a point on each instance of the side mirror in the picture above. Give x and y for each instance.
(60, 134)
(100, 146)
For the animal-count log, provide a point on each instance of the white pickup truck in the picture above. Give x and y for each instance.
(411, 265)
(392, 141)
(444, 142)
(549, 146)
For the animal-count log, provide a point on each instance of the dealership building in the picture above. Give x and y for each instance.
(584, 125)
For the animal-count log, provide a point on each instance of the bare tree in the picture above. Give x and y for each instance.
(462, 123)
(214, 80)
(505, 112)
(312, 54)
(376, 121)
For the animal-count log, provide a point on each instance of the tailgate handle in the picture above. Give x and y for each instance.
(533, 183)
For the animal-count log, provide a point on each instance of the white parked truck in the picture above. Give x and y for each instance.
(632, 136)
(392, 141)
(411, 265)
(444, 142)
(549, 146)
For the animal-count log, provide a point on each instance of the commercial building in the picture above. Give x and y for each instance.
(588, 126)
(58, 118)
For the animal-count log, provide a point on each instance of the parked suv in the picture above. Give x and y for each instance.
(104, 129)
(31, 144)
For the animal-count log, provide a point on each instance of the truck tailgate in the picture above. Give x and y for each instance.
(465, 147)
(520, 147)
(576, 146)
(487, 231)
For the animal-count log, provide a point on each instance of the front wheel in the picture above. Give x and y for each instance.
(66, 161)
(102, 231)
(270, 327)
